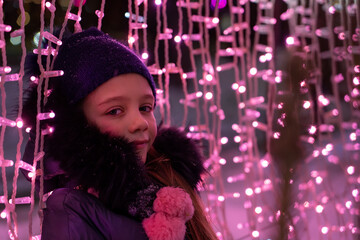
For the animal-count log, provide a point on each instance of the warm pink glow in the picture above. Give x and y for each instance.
(268, 56)
(356, 81)
(3, 214)
(355, 193)
(19, 123)
(257, 190)
(177, 38)
(224, 140)
(350, 170)
(221, 198)
(242, 89)
(262, 58)
(276, 135)
(348, 204)
(221, 3)
(253, 71)
(312, 130)
(255, 234)
(222, 161)
(264, 163)
(237, 139)
(215, 20)
(316, 153)
(267, 181)
(208, 95)
(352, 136)
(249, 192)
(319, 209)
(208, 77)
(324, 230)
(347, 98)
(355, 93)
(234, 86)
(318, 180)
(323, 100)
(306, 104)
(145, 55)
(278, 79)
(290, 41)
(332, 9)
(258, 210)
(131, 40)
(357, 68)
(30, 174)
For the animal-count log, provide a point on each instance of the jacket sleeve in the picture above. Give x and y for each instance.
(73, 214)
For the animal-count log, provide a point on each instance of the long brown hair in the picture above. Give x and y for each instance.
(159, 168)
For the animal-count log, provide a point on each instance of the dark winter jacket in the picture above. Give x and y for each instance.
(74, 214)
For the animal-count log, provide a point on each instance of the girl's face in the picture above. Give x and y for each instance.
(124, 107)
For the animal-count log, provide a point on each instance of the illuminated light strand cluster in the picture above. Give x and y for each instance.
(192, 100)
(251, 106)
(45, 74)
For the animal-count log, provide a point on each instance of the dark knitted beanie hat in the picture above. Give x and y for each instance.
(90, 58)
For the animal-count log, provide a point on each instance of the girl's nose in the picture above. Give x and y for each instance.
(138, 123)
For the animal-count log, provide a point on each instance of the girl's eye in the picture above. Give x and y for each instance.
(114, 112)
(146, 108)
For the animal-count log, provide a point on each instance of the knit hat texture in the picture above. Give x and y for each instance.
(90, 58)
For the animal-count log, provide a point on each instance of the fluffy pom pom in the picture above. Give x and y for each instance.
(161, 227)
(174, 202)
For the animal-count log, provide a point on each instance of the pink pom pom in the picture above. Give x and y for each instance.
(160, 227)
(174, 202)
(77, 3)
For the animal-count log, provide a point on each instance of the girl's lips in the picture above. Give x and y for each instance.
(140, 144)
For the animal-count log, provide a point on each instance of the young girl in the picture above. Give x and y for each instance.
(112, 174)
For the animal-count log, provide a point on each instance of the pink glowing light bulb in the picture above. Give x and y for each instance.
(255, 234)
(355, 193)
(264, 163)
(312, 129)
(352, 136)
(224, 140)
(234, 86)
(221, 4)
(19, 123)
(290, 41)
(145, 55)
(319, 209)
(3, 214)
(177, 39)
(350, 170)
(253, 71)
(306, 104)
(356, 81)
(332, 9)
(242, 89)
(208, 95)
(78, 2)
(249, 192)
(258, 210)
(324, 230)
(222, 161)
